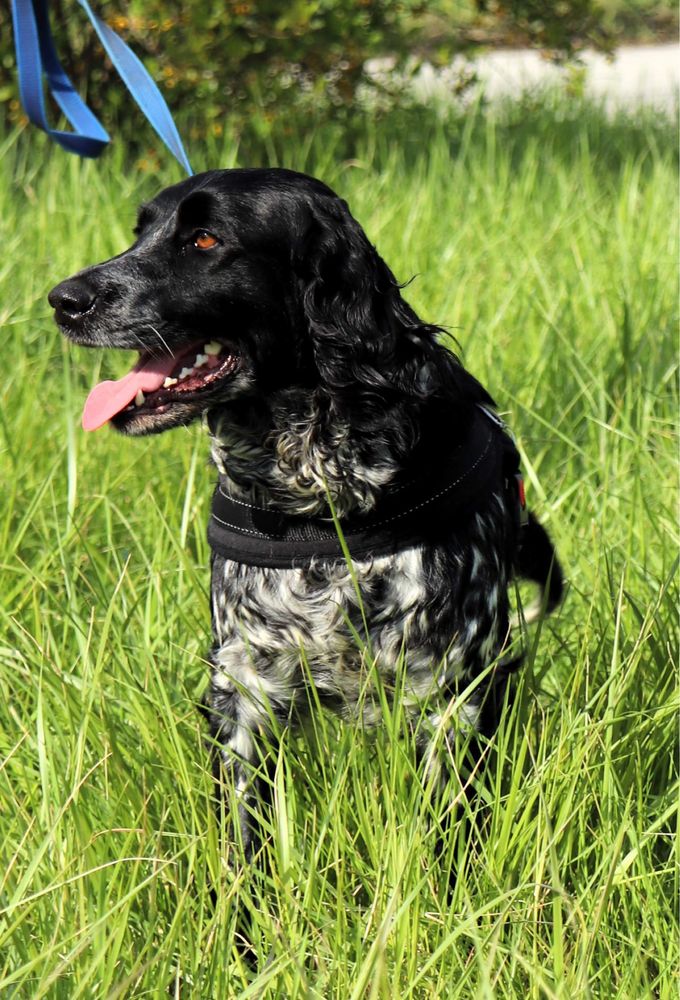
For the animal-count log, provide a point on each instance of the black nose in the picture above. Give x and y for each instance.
(71, 299)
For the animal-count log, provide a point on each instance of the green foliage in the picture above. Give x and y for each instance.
(253, 62)
(232, 58)
(560, 26)
(546, 239)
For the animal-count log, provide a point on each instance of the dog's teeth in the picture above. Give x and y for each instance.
(212, 347)
(169, 381)
(200, 360)
(139, 398)
(185, 372)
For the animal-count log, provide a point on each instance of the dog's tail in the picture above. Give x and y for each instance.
(537, 561)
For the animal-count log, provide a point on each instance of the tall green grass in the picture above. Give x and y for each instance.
(545, 239)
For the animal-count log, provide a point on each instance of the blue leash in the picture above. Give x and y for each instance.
(36, 55)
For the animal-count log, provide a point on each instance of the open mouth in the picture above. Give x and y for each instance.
(154, 384)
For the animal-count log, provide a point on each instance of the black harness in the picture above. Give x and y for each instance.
(416, 513)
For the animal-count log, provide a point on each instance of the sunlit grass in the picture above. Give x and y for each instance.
(547, 243)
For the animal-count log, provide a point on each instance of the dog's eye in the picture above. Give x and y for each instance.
(203, 240)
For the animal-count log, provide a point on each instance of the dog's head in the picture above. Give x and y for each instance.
(242, 282)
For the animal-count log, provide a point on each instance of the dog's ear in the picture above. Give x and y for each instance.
(363, 333)
(368, 343)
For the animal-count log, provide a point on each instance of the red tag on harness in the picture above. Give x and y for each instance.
(522, 500)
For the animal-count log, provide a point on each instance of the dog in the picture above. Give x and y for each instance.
(369, 505)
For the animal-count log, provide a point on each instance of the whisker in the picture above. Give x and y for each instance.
(161, 338)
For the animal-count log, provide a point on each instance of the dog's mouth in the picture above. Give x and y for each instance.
(155, 384)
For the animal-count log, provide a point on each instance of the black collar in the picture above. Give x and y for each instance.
(416, 513)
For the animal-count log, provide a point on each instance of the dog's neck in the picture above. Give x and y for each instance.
(295, 452)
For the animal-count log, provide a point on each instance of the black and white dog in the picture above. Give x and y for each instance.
(255, 298)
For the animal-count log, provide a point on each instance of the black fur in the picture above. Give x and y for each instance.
(335, 391)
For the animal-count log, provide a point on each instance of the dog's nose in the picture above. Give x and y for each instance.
(71, 299)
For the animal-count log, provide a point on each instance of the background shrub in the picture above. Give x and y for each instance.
(253, 63)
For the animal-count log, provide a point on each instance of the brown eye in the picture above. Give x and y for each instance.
(204, 241)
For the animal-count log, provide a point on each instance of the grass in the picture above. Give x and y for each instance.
(545, 238)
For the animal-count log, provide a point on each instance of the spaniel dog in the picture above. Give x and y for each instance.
(368, 508)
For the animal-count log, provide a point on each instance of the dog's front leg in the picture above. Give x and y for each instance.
(241, 726)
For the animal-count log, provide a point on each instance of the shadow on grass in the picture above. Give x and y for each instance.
(552, 125)
(566, 130)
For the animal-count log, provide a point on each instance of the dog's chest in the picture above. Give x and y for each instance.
(440, 615)
(320, 618)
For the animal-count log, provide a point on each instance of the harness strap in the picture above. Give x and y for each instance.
(416, 513)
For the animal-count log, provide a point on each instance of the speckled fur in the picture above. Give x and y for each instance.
(439, 612)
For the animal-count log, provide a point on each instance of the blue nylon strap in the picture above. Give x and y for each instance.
(36, 56)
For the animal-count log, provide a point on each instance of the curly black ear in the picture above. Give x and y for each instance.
(367, 341)
(363, 332)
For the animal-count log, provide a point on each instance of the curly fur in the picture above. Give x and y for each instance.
(340, 391)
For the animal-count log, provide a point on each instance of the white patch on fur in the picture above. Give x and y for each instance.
(241, 743)
(468, 716)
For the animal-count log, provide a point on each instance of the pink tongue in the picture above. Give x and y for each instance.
(109, 398)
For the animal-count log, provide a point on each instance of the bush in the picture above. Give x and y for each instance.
(253, 60)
